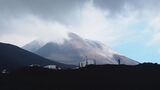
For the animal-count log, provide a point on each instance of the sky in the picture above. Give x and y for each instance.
(131, 27)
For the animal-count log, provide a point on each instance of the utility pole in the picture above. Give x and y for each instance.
(94, 61)
(86, 61)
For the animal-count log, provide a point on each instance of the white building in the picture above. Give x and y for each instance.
(51, 67)
(4, 71)
(34, 65)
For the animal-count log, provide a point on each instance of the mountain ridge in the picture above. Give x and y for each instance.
(13, 57)
(74, 51)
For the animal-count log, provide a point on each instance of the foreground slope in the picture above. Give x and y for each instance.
(13, 57)
(102, 77)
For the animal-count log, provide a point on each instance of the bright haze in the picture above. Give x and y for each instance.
(131, 27)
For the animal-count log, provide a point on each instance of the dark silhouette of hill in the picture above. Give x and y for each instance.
(101, 77)
(13, 57)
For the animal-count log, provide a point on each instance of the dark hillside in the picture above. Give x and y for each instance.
(13, 57)
(102, 77)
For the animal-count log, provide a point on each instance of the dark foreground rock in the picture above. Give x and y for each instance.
(102, 77)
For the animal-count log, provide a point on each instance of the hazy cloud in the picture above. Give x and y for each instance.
(115, 6)
(55, 10)
(109, 21)
(25, 19)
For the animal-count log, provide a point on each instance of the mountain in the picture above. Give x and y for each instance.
(13, 57)
(76, 49)
(34, 45)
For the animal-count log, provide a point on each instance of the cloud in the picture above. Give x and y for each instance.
(15, 39)
(155, 40)
(31, 27)
(117, 6)
(47, 9)
(116, 23)
(154, 29)
(96, 24)
(93, 23)
(110, 21)
(159, 51)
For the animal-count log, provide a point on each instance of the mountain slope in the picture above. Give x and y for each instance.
(13, 57)
(74, 51)
(33, 46)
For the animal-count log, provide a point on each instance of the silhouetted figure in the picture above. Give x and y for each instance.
(119, 61)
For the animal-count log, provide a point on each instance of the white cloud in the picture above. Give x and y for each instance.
(155, 24)
(15, 39)
(94, 24)
(155, 40)
(154, 29)
(29, 28)
(159, 51)
(98, 25)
